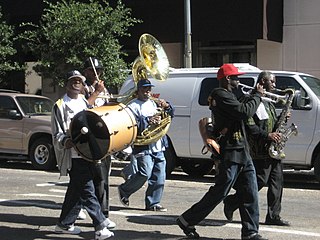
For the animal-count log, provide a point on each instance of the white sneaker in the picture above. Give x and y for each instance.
(82, 215)
(110, 224)
(103, 234)
(69, 230)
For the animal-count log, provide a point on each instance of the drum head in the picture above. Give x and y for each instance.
(93, 143)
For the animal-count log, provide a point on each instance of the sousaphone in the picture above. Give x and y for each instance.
(152, 60)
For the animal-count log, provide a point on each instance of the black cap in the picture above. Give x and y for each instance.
(144, 83)
(75, 74)
(96, 63)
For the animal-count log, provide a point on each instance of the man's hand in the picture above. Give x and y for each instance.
(162, 103)
(260, 88)
(99, 87)
(155, 120)
(276, 137)
(68, 143)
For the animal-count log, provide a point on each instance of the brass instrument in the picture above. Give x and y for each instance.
(152, 60)
(270, 97)
(276, 149)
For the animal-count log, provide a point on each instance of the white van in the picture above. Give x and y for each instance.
(188, 89)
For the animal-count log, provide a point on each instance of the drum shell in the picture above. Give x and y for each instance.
(111, 128)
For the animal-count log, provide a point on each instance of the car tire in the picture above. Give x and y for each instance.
(42, 154)
(317, 167)
(197, 167)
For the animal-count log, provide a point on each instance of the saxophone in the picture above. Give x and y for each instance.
(276, 149)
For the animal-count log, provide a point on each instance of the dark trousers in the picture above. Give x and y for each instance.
(81, 192)
(248, 194)
(101, 183)
(269, 173)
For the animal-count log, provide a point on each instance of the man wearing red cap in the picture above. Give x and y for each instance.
(236, 163)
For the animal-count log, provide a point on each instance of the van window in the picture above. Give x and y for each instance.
(287, 82)
(290, 82)
(208, 84)
(313, 83)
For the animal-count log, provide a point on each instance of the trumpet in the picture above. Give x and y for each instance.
(269, 97)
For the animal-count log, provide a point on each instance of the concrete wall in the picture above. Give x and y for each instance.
(33, 80)
(300, 50)
(269, 55)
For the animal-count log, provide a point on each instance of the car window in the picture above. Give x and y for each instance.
(6, 104)
(35, 105)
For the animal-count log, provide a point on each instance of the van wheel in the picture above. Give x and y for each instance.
(171, 159)
(317, 168)
(42, 154)
(197, 167)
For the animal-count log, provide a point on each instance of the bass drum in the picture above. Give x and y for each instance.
(103, 131)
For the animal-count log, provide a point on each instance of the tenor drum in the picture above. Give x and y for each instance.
(102, 131)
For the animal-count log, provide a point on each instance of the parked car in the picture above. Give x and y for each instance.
(25, 129)
(188, 90)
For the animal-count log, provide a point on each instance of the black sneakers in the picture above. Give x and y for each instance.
(255, 236)
(189, 231)
(123, 200)
(277, 222)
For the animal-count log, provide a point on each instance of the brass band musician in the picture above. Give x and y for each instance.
(269, 171)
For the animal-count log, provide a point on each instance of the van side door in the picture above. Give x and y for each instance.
(305, 118)
(200, 109)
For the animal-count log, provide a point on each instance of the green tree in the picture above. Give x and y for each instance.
(70, 32)
(7, 50)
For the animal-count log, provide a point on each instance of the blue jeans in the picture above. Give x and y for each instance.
(151, 168)
(131, 168)
(81, 192)
(229, 173)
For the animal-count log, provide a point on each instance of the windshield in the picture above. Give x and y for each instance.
(313, 83)
(35, 105)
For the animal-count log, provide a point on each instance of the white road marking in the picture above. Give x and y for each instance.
(228, 225)
(39, 195)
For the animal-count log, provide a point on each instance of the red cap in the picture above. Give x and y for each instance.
(228, 70)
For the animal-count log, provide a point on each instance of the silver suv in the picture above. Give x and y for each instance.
(25, 129)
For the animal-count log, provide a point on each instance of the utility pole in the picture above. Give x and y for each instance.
(187, 41)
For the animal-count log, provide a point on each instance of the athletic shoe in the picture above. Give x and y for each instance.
(67, 229)
(82, 215)
(123, 199)
(189, 231)
(110, 224)
(103, 234)
(157, 208)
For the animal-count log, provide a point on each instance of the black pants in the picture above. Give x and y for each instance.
(80, 193)
(101, 183)
(270, 174)
(248, 197)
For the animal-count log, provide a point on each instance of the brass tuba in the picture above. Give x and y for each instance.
(152, 60)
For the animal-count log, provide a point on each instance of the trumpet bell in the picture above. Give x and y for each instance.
(153, 57)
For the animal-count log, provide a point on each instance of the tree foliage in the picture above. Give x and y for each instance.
(7, 50)
(70, 32)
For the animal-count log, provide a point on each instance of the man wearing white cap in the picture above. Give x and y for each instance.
(80, 189)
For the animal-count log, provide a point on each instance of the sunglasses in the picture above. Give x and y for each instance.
(234, 78)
